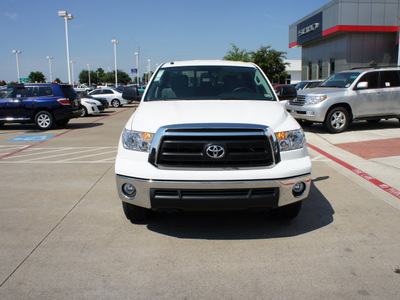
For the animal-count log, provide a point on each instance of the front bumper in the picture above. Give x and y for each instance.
(214, 195)
(314, 113)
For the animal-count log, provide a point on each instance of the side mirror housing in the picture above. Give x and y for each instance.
(131, 93)
(362, 85)
(288, 92)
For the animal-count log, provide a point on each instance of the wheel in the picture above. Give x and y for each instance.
(115, 103)
(374, 121)
(305, 123)
(289, 211)
(136, 213)
(62, 123)
(84, 112)
(337, 120)
(44, 120)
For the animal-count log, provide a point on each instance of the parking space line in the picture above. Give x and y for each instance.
(391, 190)
(58, 135)
(91, 155)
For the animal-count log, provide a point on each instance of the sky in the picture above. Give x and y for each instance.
(163, 31)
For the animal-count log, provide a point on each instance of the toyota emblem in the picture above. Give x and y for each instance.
(215, 151)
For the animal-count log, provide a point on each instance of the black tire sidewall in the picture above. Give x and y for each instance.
(115, 101)
(327, 122)
(51, 120)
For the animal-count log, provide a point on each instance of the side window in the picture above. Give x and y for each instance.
(45, 91)
(25, 92)
(371, 78)
(104, 91)
(96, 92)
(390, 79)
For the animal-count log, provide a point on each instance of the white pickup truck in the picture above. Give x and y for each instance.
(211, 135)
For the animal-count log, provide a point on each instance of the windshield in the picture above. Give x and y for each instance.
(209, 83)
(340, 80)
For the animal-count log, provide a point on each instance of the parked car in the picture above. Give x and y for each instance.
(43, 104)
(359, 94)
(82, 88)
(103, 101)
(91, 106)
(211, 135)
(113, 97)
(309, 84)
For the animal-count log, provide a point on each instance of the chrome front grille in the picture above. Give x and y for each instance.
(186, 146)
(299, 101)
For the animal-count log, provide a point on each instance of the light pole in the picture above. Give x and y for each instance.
(16, 55)
(88, 67)
(137, 67)
(115, 42)
(72, 65)
(67, 17)
(148, 74)
(50, 58)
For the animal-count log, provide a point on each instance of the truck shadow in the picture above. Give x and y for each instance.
(316, 213)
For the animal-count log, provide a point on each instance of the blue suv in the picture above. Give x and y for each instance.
(46, 104)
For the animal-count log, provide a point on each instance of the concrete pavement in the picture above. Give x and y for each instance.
(64, 235)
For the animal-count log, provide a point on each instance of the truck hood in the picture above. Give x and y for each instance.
(322, 91)
(153, 114)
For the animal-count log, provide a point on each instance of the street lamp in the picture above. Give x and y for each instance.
(88, 67)
(16, 55)
(72, 65)
(67, 17)
(50, 58)
(148, 74)
(137, 67)
(115, 42)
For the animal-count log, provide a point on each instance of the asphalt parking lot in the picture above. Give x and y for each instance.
(64, 235)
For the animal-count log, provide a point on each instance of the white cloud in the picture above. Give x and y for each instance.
(11, 16)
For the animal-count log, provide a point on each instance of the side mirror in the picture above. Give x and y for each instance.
(287, 93)
(131, 93)
(362, 85)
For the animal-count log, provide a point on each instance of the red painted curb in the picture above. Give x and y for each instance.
(360, 173)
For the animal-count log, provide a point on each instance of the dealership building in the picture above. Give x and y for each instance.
(346, 34)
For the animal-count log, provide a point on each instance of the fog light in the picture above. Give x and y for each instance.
(129, 190)
(298, 189)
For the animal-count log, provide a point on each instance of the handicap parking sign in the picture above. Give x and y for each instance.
(31, 138)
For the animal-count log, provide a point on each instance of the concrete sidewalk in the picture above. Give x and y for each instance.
(373, 149)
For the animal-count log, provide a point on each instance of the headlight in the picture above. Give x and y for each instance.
(136, 140)
(291, 140)
(92, 103)
(315, 99)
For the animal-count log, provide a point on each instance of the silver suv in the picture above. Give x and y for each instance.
(359, 94)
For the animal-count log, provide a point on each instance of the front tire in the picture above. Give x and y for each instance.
(337, 120)
(84, 112)
(44, 120)
(115, 103)
(136, 213)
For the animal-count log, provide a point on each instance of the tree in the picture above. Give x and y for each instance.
(57, 80)
(237, 55)
(271, 62)
(37, 77)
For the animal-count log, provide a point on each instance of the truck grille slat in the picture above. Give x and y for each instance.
(186, 148)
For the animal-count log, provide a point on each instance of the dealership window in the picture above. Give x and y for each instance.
(331, 66)
(310, 70)
(320, 69)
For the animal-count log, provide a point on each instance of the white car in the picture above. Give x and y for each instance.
(211, 135)
(91, 106)
(113, 96)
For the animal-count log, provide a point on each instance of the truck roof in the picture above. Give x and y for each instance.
(208, 63)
